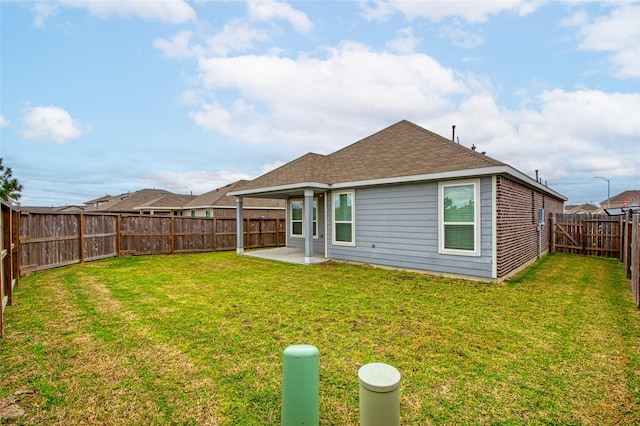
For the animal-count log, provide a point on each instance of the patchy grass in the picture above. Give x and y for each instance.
(198, 339)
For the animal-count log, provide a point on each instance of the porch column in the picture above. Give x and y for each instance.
(239, 227)
(308, 225)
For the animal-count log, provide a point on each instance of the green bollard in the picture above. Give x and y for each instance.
(300, 386)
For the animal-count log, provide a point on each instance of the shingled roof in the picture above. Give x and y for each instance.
(169, 201)
(403, 149)
(127, 203)
(219, 198)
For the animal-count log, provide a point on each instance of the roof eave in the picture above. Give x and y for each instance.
(455, 174)
(280, 189)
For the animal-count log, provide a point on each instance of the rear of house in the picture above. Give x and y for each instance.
(408, 198)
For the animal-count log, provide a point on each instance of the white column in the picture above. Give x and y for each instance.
(239, 227)
(308, 225)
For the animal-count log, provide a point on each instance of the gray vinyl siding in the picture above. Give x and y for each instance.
(397, 225)
(318, 243)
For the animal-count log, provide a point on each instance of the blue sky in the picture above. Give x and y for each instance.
(105, 97)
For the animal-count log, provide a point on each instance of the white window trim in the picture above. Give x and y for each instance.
(291, 234)
(476, 223)
(353, 219)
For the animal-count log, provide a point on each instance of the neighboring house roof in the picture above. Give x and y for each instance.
(400, 153)
(129, 201)
(103, 199)
(219, 198)
(582, 209)
(629, 198)
(40, 209)
(167, 202)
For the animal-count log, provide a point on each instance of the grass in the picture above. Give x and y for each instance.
(198, 339)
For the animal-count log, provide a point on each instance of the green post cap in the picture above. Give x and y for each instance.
(301, 351)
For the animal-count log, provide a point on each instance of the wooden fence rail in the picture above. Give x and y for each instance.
(52, 240)
(607, 236)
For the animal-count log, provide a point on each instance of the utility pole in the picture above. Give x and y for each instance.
(608, 190)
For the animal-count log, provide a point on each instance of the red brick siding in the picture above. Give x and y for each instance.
(517, 216)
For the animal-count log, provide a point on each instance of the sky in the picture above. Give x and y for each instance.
(108, 97)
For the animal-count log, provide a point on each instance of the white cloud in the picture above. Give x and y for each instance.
(470, 11)
(43, 10)
(236, 36)
(306, 99)
(616, 34)
(267, 10)
(460, 37)
(169, 11)
(197, 181)
(50, 123)
(405, 42)
(563, 133)
(4, 122)
(178, 46)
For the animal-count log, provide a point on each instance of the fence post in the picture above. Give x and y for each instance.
(300, 386)
(81, 236)
(552, 232)
(379, 395)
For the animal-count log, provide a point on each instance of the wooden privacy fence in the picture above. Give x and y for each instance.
(51, 240)
(599, 235)
(9, 219)
(588, 235)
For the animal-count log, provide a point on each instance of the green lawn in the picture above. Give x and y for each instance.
(198, 339)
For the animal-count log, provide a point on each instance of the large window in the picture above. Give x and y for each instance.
(343, 218)
(297, 217)
(459, 217)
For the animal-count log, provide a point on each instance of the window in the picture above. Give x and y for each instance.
(459, 217)
(208, 213)
(343, 218)
(297, 217)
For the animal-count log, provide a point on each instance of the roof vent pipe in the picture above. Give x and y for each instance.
(453, 133)
(536, 175)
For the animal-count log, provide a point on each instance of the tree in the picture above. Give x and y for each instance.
(9, 187)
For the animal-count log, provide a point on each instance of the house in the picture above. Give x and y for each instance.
(166, 205)
(218, 204)
(126, 203)
(408, 198)
(629, 198)
(584, 208)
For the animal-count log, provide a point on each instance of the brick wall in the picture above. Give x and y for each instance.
(517, 217)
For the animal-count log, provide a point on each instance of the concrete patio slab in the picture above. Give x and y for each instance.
(285, 254)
